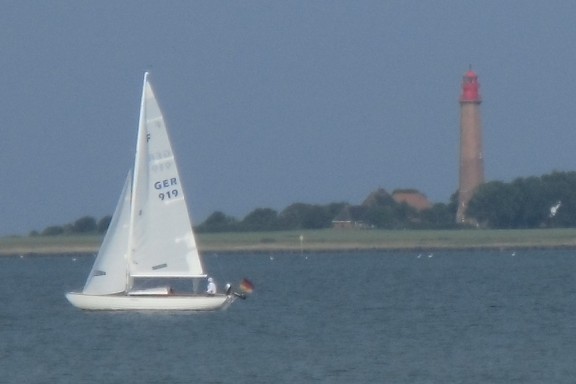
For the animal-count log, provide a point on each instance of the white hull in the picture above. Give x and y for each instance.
(150, 302)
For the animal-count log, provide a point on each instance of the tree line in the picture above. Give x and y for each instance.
(531, 202)
(84, 225)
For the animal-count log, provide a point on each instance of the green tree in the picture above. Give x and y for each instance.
(526, 202)
(218, 222)
(292, 217)
(379, 217)
(560, 187)
(85, 224)
(307, 216)
(532, 206)
(53, 230)
(261, 219)
(440, 216)
(494, 205)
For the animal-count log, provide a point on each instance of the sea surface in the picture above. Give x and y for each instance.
(367, 317)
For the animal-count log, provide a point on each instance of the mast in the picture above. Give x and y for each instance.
(139, 159)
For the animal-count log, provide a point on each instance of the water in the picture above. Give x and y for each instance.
(456, 317)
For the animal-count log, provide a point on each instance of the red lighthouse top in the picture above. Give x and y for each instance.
(470, 88)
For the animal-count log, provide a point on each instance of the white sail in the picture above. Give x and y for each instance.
(162, 242)
(108, 274)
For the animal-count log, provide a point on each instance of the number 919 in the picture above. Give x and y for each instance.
(168, 195)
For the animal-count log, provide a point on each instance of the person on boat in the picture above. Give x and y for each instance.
(211, 288)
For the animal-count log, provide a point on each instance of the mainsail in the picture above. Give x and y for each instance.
(161, 242)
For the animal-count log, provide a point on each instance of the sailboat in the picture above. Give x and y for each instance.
(150, 237)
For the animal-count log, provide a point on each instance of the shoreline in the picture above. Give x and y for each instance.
(322, 241)
(80, 251)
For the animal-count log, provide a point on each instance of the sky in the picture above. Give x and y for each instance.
(269, 103)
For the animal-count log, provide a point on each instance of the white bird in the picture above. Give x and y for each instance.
(554, 209)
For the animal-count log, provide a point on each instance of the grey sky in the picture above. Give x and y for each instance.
(275, 102)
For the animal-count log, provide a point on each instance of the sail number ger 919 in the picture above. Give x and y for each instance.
(168, 191)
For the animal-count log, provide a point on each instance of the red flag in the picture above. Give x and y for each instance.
(246, 286)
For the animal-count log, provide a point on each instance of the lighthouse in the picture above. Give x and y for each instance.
(471, 159)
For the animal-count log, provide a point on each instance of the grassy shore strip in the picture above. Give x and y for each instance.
(321, 240)
(44, 245)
